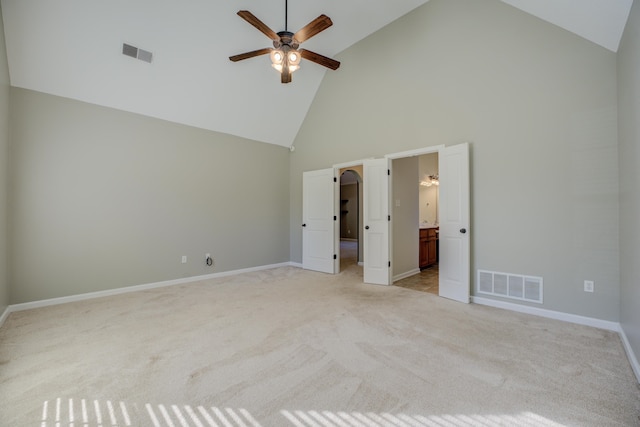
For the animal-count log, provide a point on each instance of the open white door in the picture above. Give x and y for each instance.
(377, 269)
(318, 189)
(454, 240)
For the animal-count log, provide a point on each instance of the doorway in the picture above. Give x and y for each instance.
(422, 182)
(321, 205)
(350, 214)
(453, 219)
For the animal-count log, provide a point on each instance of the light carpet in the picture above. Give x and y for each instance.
(288, 347)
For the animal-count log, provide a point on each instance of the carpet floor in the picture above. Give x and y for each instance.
(289, 347)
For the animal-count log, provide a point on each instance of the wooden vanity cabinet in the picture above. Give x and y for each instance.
(428, 247)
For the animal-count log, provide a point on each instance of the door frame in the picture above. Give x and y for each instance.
(416, 152)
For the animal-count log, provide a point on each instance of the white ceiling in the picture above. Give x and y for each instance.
(73, 48)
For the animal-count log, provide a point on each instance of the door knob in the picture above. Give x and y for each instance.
(304, 225)
(366, 227)
(463, 230)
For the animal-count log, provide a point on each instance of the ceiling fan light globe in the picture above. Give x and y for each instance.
(277, 57)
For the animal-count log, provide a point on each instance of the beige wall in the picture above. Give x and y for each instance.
(101, 199)
(538, 105)
(629, 131)
(4, 166)
(404, 216)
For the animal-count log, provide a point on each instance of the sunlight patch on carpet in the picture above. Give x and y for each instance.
(86, 413)
(95, 413)
(370, 419)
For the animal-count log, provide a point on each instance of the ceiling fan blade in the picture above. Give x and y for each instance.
(319, 59)
(247, 55)
(261, 26)
(321, 23)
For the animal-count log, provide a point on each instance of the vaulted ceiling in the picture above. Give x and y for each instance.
(73, 49)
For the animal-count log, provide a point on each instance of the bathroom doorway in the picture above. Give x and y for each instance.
(416, 222)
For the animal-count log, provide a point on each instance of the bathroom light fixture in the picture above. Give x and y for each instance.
(430, 180)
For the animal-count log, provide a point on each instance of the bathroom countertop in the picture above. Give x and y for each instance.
(428, 226)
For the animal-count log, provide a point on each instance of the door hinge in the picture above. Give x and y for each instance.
(335, 256)
(335, 179)
(389, 172)
(389, 217)
(335, 218)
(389, 263)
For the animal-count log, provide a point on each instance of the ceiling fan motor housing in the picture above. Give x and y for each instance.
(286, 39)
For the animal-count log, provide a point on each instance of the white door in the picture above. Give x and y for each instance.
(454, 236)
(318, 189)
(376, 222)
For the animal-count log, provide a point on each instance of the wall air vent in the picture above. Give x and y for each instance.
(134, 52)
(507, 285)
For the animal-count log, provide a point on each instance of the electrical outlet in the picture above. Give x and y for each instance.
(588, 285)
(184, 259)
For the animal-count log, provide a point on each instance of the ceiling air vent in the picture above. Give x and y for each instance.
(134, 52)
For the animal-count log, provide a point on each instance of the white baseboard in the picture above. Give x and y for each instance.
(633, 360)
(4, 315)
(571, 318)
(135, 288)
(296, 264)
(406, 274)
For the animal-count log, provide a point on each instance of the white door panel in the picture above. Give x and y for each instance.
(376, 222)
(318, 188)
(454, 215)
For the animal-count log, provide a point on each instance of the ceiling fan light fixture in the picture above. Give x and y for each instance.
(281, 59)
(277, 59)
(293, 60)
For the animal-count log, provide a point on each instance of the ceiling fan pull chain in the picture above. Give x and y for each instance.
(286, 13)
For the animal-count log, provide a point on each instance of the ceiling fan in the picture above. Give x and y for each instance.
(285, 55)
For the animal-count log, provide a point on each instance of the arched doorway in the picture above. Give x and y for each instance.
(350, 217)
